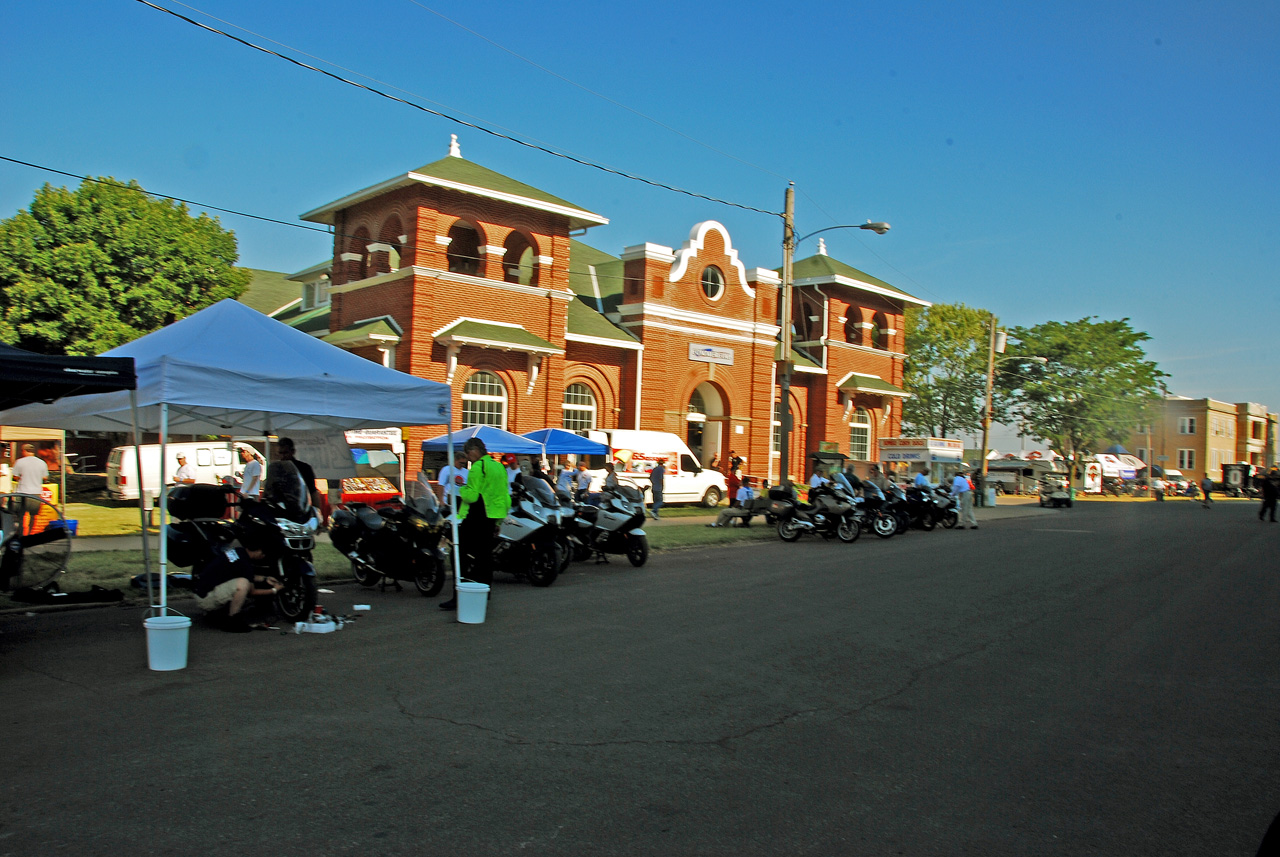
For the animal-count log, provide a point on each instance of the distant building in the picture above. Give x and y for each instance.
(456, 273)
(1198, 436)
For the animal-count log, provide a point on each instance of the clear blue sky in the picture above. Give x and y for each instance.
(1043, 161)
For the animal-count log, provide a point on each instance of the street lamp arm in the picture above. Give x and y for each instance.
(877, 228)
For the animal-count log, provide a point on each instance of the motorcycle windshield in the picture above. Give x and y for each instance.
(285, 487)
(538, 489)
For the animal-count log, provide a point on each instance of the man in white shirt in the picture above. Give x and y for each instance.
(817, 479)
(453, 476)
(184, 475)
(584, 481)
(251, 478)
(29, 473)
(565, 481)
(963, 492)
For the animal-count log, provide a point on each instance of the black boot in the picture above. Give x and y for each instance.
(451, 604)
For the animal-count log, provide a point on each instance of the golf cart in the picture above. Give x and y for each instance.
(1054, 492)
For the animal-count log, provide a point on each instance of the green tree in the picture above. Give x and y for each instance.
(86, 270)
(1093, 389)
(945, 370)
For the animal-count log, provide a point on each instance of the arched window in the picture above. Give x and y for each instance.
(484, 401)
(860, 435)
(518, 261)
(579, 408)
(464, 249)
(880, 331)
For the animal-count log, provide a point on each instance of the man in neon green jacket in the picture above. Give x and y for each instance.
(484, 502)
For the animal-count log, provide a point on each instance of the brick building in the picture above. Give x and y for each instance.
(1198, 436)
(456, 273)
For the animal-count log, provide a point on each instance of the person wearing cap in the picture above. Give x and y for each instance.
(184, 475)
(512, 464)
(657, 478)
(962, 490)
(486, 499)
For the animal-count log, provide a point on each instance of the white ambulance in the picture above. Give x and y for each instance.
(636, 452)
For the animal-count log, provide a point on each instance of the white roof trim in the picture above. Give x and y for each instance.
(866, 287)
(600, 340)
(697, 240)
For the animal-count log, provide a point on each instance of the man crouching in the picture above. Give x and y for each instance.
(227, 581)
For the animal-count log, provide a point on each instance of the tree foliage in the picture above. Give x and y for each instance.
(86, 270)
(945, 370)
(1093, 389)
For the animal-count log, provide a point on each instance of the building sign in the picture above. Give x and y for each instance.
(920, 449)
(710, 354)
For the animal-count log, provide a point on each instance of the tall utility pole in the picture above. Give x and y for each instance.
(784, 315)
(986, 409)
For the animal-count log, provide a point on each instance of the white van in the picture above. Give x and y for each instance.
(639, 451)
(211, 460)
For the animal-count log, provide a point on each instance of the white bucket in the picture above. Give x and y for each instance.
(167, 642)
(473, 599)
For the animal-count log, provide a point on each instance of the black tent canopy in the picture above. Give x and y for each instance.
(27, 378)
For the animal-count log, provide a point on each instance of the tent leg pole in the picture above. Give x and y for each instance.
(142, 495)
(164, 513)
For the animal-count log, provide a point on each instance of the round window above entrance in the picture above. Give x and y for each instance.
(712, 282)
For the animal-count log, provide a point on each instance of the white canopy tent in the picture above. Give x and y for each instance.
(229, 369)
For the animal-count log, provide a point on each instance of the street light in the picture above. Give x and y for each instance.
(789, 242)
(986, 411)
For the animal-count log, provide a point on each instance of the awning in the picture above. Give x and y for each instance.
(382, 330)
(856, 382)
(487, 334)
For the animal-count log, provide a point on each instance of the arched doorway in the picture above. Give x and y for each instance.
(705, 420)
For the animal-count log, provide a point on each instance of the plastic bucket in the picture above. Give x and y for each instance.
(473, 599)
(167, 642)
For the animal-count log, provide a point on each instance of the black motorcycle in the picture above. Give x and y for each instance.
(393, 541)
(919, 507)
(282, 529)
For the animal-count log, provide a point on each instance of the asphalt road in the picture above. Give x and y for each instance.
(1098, 680)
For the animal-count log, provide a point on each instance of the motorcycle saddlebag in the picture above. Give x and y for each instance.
(197, 501)
(185, 544)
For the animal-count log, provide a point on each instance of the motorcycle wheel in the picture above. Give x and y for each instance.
(848, 531)
(430, 577)
(364, 575)
(298, 598)
(638, 550)
(566, 553)
(902, 524)
(788, 530)
(928, 521)
(950, 518)
(884, 526)
(546, 566)
(581, 552)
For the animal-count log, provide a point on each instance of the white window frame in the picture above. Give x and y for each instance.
(1186, 459)
(480, 404)
(711, 275)
(1186, 425)
(860, 421)
(588, 410)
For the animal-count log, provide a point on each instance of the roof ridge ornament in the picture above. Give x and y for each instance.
(455, 151)
(822, 246)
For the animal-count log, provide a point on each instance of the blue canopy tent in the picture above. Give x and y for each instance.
(495, 440)
(229, 369)
(558, 441)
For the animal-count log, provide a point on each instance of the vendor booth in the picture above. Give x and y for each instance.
(229, 369)
(907, 456)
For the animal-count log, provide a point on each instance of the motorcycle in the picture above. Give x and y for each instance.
(920, 508)
(396, 540)
(283, 529)
(831, 510)
(945, 511)
(528, 541)
(877, 511)
(612, 527)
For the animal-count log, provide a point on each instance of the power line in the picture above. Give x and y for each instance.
(599, 95)
(546, 150)
(167, 196)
